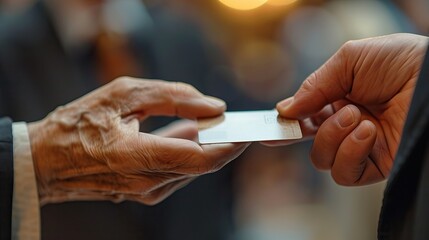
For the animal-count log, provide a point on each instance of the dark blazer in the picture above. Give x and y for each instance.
(6, 178)
(36, 75)
(405, 211)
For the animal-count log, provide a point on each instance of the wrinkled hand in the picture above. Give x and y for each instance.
(91, 149)
(355, 106)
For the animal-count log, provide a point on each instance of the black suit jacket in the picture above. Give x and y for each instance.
(6, 178)
(36, 75)
(405, 211)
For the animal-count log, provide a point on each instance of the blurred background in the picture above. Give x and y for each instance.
(251, 53)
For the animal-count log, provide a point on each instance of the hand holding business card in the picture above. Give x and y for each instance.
(247, 126)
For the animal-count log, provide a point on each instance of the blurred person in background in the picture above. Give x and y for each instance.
(416, 11)
(8, 7)
(56, 51)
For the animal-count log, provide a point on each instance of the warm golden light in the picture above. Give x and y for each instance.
(243, 4)
(281, 2)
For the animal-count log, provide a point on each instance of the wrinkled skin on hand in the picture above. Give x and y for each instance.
(356, 104)
(91, 149)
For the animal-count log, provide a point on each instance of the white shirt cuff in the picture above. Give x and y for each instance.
(25, 205)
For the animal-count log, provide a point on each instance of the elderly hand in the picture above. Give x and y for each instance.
(91, 149)
(355, 106)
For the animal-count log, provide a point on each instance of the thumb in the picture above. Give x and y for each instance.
(331, 82)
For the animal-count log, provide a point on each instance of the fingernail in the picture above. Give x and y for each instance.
(346, 117)
(215, 101)
(363, 131)
(283, 105)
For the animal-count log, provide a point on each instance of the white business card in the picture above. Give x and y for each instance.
(247, 126)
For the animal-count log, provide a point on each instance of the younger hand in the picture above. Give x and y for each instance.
(356, 104)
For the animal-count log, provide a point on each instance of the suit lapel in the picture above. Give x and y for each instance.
(399, 197)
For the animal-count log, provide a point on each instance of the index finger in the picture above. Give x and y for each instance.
(162, 98)
(331, 82)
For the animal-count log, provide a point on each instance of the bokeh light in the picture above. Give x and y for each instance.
(281, 2)
(243, 4)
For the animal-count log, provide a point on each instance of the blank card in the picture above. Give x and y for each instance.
(247, 126)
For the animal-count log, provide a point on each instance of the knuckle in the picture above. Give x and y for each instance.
(153, 198)
(167, 89)
(181, 86)
(118, 198)
(310, 83)
(315, 84)
(122, 81)
(149, 201)
(318, 163)
(202, 166)
(184, 89)
(121, 86)
(207, 165)
(131, 86)
(207, 169)
(341, 179)
(348, 46)
(216, 166)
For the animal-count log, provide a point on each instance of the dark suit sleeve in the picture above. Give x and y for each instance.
(6, 178)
